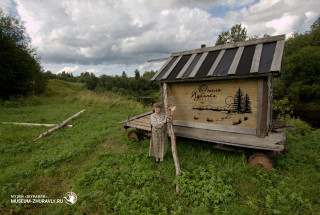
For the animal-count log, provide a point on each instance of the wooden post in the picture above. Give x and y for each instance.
(170, 128)
(59, 126)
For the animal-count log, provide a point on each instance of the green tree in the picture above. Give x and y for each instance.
(20, 70)
(257, 37)
(148, 74)
(136, 74)
(236, 34)
(124, 75)
(300, 79)
(90, 80)
(66, 76)
(50, 75)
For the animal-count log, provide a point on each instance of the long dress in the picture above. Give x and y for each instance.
(159, 138)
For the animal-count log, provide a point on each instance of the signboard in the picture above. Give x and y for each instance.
(226, 103)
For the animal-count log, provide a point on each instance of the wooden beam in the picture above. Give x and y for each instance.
(184, 69)
(59, 126)
(172, 134)
(272, 142)
(217, 78)
(259, 107)
(159, 59)
(160, 70)
(256, 59)
(264, 109)
(199, 63)
(235, 62)
(33, 124)
(136, 122)
(139, 127)
(216, 62)
(136, 117)
(241, 130)
(270, 98)
(231, 45)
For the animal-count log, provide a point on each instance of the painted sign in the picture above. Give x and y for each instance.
(228, 103)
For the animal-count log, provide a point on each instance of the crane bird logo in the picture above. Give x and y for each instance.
(70, 198)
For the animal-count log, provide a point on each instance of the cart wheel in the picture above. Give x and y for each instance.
(133, 134)
(261, 160)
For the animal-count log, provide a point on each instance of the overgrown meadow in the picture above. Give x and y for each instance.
(112, 174)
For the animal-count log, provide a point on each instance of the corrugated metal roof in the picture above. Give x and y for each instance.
(233, 60)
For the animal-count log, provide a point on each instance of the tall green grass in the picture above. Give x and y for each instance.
(113, 175)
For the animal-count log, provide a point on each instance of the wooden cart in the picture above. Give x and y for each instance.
(223, 95)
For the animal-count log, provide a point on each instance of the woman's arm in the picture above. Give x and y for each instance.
(156, 123)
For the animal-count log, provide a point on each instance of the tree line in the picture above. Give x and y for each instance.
(20, 69)
(300, 79)
(121, 84)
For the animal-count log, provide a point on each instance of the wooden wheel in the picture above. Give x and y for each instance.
(133, 134)
(261, 160)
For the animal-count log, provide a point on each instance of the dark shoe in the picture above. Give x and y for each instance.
(156, 164)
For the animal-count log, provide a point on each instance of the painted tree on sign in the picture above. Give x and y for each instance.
(241, 103)
(247, 104)
(238, 101)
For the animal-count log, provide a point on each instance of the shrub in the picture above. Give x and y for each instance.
(206, 189)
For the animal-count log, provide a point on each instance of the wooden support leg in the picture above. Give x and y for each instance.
(170, 129)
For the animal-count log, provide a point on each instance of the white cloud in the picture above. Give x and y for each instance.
(127, 33)
(115, 32)
(284, 24)
(235, 3)
(150, 66)
(5, 4)
(93, 70)
(69, 69)
(278, 16)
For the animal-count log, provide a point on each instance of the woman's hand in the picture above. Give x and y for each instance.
(168, 119)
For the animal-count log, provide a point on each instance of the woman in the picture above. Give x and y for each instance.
(159, 138)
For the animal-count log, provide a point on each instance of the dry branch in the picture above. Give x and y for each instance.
(33, 124)
(172, 136)
(59, 126)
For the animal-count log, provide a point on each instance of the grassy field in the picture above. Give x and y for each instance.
(113, 175)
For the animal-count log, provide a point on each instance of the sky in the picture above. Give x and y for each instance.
(111, 36)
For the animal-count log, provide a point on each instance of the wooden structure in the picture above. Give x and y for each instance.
(223, 94)
(145, 100)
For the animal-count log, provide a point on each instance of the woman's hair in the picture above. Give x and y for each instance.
(156, 105)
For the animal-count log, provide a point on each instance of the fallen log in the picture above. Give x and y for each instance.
(33, 124)
(59, 126)
(170, 128)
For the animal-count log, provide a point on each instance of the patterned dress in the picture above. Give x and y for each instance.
(159, 138)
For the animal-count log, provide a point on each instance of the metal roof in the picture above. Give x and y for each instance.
(251, 58)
